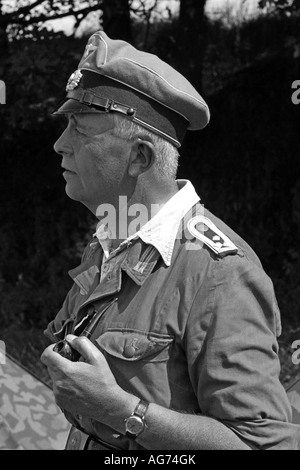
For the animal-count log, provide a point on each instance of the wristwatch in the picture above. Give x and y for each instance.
(134, 424)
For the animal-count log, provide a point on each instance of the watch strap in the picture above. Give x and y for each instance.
(141, 409)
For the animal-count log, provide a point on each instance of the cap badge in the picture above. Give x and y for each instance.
(89, 48)
(74, 80)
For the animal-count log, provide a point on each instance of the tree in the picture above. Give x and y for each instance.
(35, 13)
(116, 19)
(286, 6)
(191, 38)
(24, 20)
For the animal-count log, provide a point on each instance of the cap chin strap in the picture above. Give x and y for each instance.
(105, 104)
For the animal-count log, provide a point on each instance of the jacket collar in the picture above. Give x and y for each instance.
(161, 231)
(159, 234)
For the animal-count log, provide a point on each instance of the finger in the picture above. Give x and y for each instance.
(46, 355)
(51, 359)
(53, 375)
(86, 348)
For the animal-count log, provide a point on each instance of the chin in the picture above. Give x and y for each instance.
(76, 196)
(72, 194)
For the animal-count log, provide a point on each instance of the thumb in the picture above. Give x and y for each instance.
(85, 347)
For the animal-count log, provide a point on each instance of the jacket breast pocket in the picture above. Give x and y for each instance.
(139, 361)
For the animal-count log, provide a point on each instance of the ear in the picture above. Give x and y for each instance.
(142, 157)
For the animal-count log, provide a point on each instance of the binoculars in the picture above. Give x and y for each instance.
(65, 350)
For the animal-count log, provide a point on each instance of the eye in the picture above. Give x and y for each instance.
(76, 126)
(80, 132)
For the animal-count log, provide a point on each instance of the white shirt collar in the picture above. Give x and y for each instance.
(161, 230)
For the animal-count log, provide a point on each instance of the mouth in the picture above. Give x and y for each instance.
(66, 170)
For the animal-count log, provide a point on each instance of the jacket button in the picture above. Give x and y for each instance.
(129, 351)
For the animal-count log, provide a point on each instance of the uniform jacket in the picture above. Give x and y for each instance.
(193, 328)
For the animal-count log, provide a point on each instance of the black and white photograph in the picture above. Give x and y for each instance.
(150, 227)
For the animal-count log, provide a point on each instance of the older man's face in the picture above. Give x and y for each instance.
(94, 160)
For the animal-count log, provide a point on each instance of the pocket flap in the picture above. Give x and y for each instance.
(134, 345)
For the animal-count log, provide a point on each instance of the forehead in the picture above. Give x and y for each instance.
(96, 122)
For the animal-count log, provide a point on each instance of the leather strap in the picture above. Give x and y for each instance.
(79, 440)
(141, 409)
(90, 99)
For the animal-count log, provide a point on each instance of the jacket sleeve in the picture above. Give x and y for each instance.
(232, 354)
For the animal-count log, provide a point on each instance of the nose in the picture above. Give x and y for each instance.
(63, 145)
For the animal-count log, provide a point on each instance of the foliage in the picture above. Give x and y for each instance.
(39, 228)
(286, 6)
(26, 19)
(35, 73)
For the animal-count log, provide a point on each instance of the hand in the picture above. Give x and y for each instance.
(86, 388)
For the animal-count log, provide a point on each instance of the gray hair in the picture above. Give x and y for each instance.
(166, 163)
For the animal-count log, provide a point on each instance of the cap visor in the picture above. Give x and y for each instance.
(69, 106)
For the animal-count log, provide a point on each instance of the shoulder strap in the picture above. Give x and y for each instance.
(205, 230)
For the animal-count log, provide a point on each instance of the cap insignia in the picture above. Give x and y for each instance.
(89, 48)
(74, 80)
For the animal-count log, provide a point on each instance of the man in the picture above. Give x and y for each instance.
(183, 351)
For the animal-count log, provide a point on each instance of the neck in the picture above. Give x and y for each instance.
(131, 213)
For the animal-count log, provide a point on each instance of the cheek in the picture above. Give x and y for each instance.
(109, 161)
(85, 159)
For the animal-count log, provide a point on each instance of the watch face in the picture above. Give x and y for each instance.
(134, 425)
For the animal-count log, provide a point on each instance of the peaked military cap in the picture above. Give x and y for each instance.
(113, 76)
